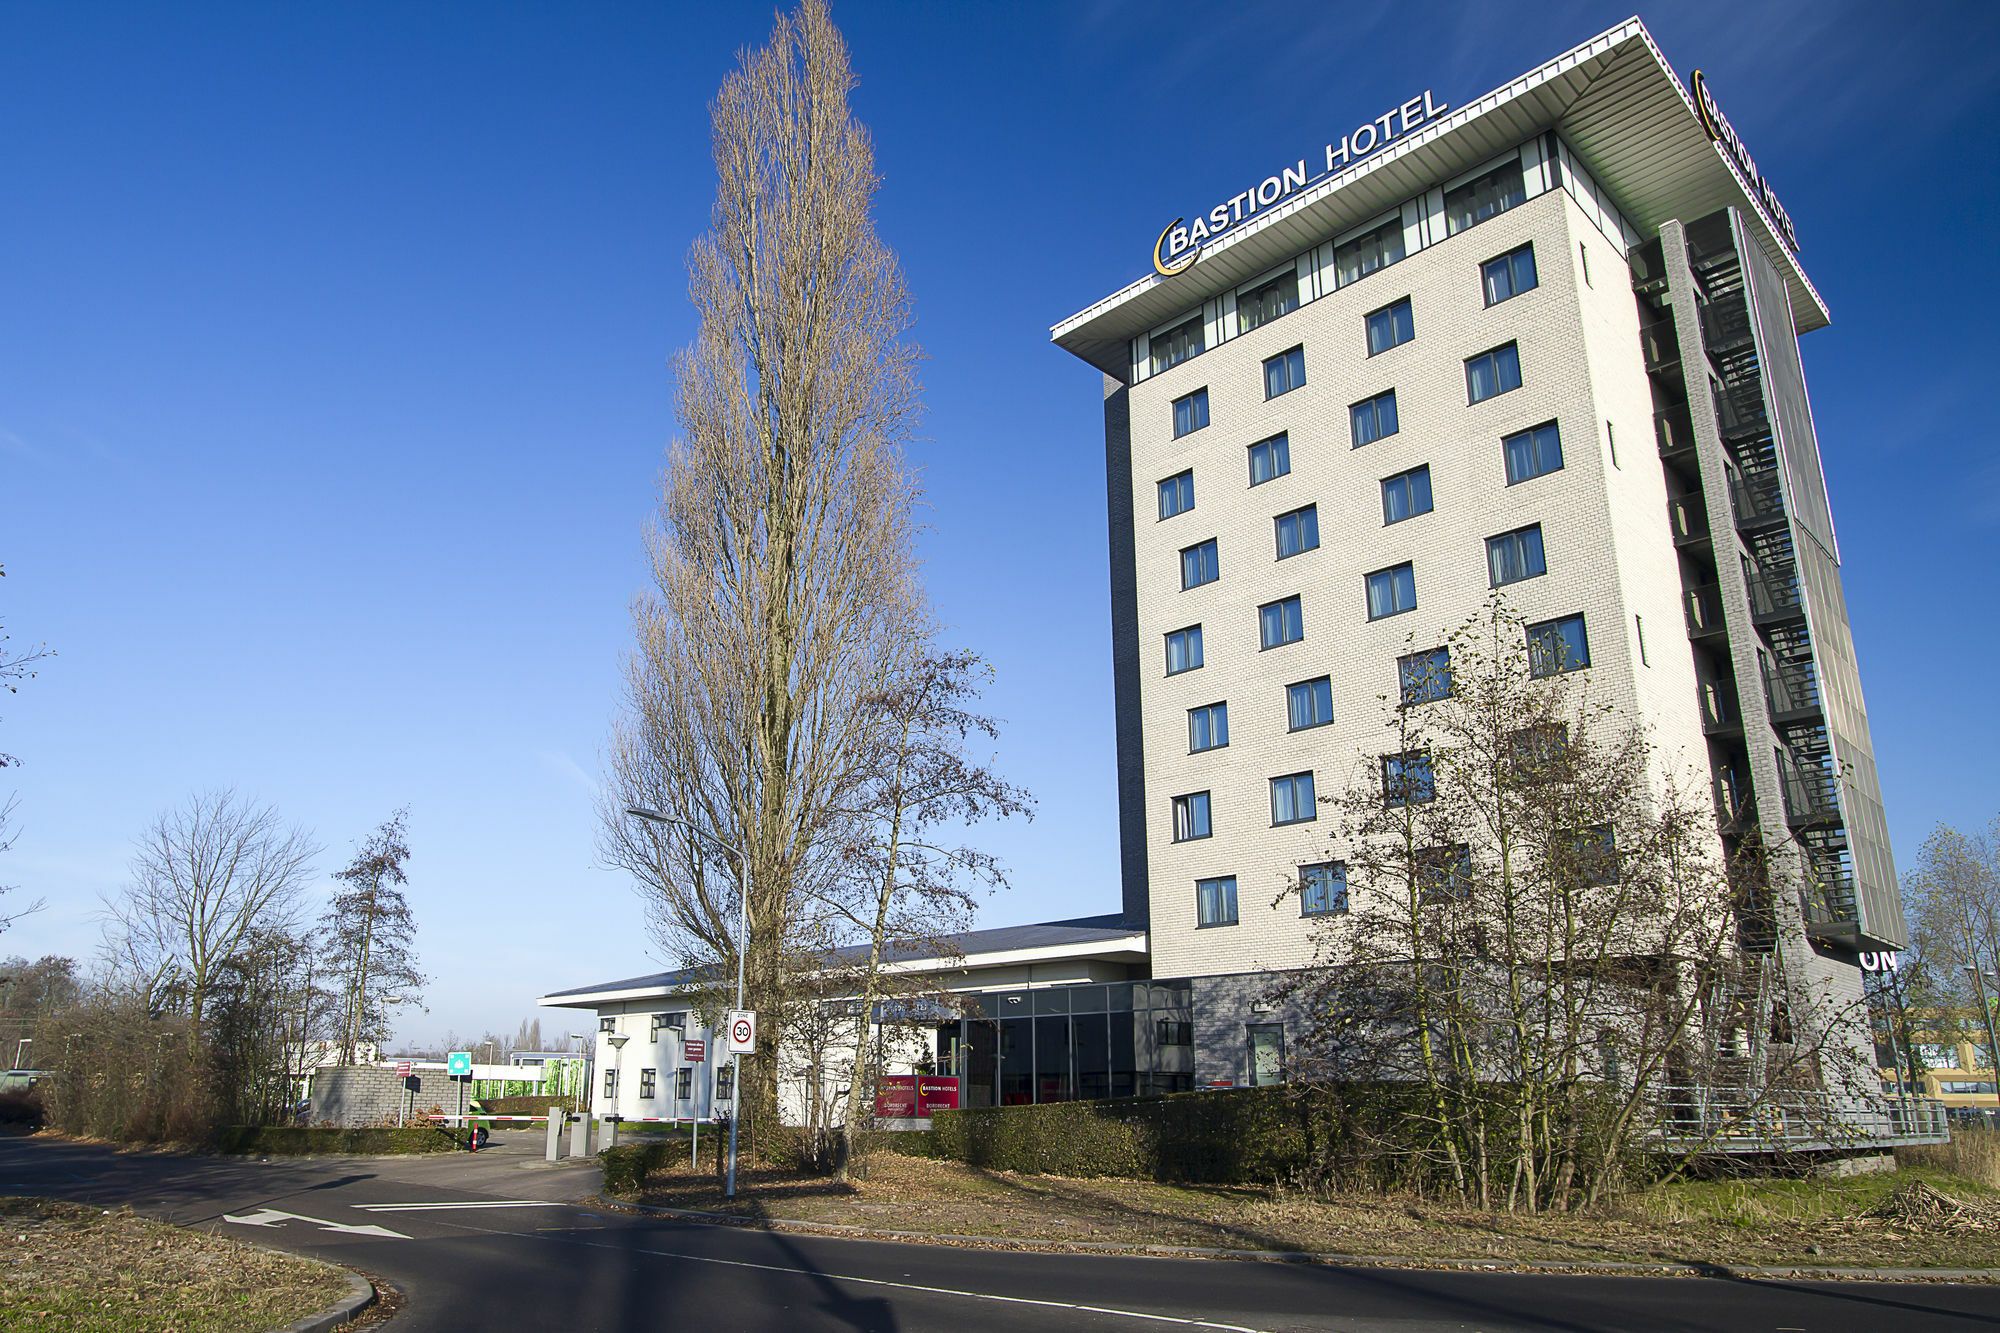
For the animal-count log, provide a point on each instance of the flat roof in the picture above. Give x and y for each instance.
(1614, 99)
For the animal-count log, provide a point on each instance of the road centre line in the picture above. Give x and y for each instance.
(472, 1203)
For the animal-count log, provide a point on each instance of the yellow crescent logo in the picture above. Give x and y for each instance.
(1702, 100)
(1181, 267)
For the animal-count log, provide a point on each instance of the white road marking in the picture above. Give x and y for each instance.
(270, 1217)
(473, 1203)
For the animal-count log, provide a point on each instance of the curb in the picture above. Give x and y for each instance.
(360, 1295)
(1605, 1267)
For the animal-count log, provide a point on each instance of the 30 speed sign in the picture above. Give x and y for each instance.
(742, 1031)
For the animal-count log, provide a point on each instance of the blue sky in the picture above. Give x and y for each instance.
(334, 388)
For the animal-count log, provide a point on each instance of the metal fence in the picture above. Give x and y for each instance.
(1729, 1120)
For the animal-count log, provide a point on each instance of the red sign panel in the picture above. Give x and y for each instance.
(694, 1052)
(914, 1096)
(402, 1069)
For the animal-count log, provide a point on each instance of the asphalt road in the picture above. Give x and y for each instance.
(499, 1241)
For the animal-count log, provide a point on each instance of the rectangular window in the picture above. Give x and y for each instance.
(1198, 565)
(1493, 373)
(1517, 555)
(1261, 305)
(1208, 728)
(1539, 753)
(1270, 458)
(1292, 799)
(1391, 326)
(1176, 344)
(1392, 591)
(725, 1083)
(1407, 778)
(1284, 372)
(1533, 452)
(1177, 1031)
(607, 1025)
(648, 1084)
(1424, 676)
(610, 1085)
(1190, 413)
(1509, 275)
(1280, 623)
(1556, 646)
(1183, 650)
(1364, 254)
(1596, 853)
(1298, 531)
(1406, 495)
(1215, 901)
(1191, 817)
(1444, 874)
(1323, 889)
(1309, 704)
(1177, 495)
(684, 1082)
(1488, 196)
(1372, 419)
(1267, 1053)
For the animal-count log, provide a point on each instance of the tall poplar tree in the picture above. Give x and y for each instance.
(372, 934)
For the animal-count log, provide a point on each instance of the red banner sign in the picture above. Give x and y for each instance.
(914, 1096)
(694, 1052)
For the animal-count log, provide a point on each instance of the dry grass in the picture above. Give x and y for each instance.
(82, 1270)
(1973, 1154)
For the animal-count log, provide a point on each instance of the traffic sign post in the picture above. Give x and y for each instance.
(459, 1066)
(741, 1033)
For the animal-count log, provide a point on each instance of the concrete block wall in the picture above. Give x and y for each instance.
(371, 1095)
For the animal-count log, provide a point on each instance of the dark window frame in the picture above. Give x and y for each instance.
(1512, 544)
(1265, 643)
(1210, 710)
(1430, 690)
(1293, 361)
(1512, 270)
(1371, 408)
(1494, 355)
(1566, 660)
(1235, 914)
(1186, 803)
(1311, 804)
(1336, 901)
(1197, 401)
(1291, 724)
(1408, 778)
(1533, 435)
(1173, 634)
(1209, 548)
(1390, 310)
(1303, 517)
(1368, 583)
(1277, 448)
(1185, 475)
(1408, 477)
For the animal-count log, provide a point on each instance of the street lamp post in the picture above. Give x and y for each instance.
(742, 935)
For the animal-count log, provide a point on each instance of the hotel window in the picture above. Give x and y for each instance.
(1531, 453)
(1493, 373)
(1261, 305)
(1298, 531)
(610, 1084)
(1488, 196)
(1190, 413)
(1183, 650)
(1176, 344)
(1392, 591)
(1444, 874)
(1596, 855)
(1208, 728)
(1391, 326)
(1406, 495)
(1364, 254)
(1309, 704)
(1177, 495)
(1191, 817)
(648, 1084)
(1284, 372)
(725, 1083)
(1270, 458)
(1179, 1031)
(1292, 800)
(1323, 889)
(1517, 555)
(684, 1082)
(1372, 418)
(1538, 754)
(1509, 275)
(1556, 646)
(1424, 676)
(1215, 902)
(1407, 778)
(1198, 565)
(1280, 623)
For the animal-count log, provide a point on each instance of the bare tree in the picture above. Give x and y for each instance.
(527, 1037)
(782, 560)
(371, 933)
(15, 667)
(1954, 891)
(207, 878)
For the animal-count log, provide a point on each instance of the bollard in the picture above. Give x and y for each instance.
(555, 1127)
(611, 1123)
(580, 1135)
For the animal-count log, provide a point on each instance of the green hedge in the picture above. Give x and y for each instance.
(303, 1140)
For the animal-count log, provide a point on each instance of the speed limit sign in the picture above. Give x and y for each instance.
(742, 1031)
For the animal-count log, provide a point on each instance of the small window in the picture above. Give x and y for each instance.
(1364, 254)
(1391, 326)
(1198, 565)
(684, 1082)
(1292, 799)
(1215, 902)
(1488, 196)
(1556, 646)
(1285, 372)
(1493, 373)
(1595, 850)
(1309, 704)
(1406, 495)
(1261, 305)
(1533, 452)
(1323, 889)
(674, 1021)
(1176, 344)
(725, 1083)
(1444, 873)
(610, 1084)
(1424, 676)
(607, 1024)
(1190, 413)
(1177, 495)
(1267, 1053)
(1270, 458)
(1280, 623)
(1509, 275)
(1191, 817)
(1369, 421)
(1392, 591)
(1179, 1031)
(1208, 728)
(1539, 753)
(1183, 650)
(1407, 778)
(649, 1080)
(1517, 555)
(1298, 531)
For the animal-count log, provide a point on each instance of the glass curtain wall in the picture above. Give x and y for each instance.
(1065, 1043)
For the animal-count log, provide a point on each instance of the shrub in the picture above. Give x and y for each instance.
(298, 1140)
(22, 1108)
(627, 1166)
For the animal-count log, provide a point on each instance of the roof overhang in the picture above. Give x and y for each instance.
(1614, 100)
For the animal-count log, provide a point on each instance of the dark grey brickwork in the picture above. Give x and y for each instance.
(369, 1094)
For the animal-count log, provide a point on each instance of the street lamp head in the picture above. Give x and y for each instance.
(652, 816)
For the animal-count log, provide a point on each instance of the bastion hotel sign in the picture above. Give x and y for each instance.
(1180, 241)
